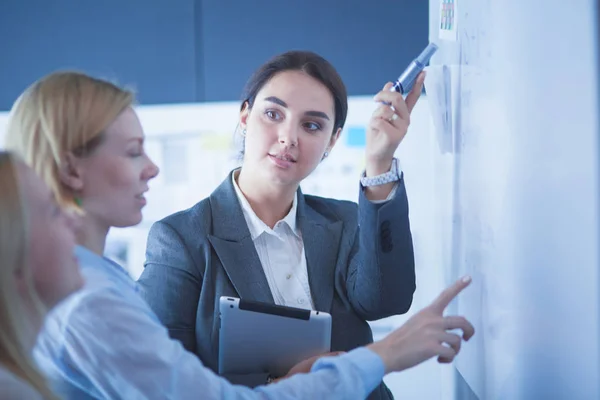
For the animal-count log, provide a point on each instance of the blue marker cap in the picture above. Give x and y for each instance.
(406, 81)
(426, 54)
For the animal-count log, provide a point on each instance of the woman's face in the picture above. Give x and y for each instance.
(114, 178)
(289, 128)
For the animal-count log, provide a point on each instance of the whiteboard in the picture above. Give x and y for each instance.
(517, 189)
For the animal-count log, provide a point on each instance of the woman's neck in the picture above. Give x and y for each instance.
(270, 203)
(92, 235)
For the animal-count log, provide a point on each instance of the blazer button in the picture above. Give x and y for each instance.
(385, 235)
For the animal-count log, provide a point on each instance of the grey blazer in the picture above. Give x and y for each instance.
(195, 256)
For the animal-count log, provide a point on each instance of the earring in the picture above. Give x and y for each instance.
(326, 154)
(78, 201)
(244, 132)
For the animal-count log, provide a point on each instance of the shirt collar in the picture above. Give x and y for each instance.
(255, 225)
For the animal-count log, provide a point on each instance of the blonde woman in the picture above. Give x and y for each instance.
(83, 136)
(36, 272)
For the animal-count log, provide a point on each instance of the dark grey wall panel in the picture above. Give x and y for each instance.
(147, 43)
(369, 42)
(203, 50)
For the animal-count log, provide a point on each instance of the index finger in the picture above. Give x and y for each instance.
(450, 293)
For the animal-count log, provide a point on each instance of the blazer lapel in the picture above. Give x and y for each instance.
(233, 244)
(321, 239)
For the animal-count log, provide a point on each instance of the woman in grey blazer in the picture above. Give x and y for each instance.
(259, 238)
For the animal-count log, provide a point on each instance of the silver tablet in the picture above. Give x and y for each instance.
(259, 337)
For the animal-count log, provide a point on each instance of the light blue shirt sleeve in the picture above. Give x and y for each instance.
(117, 346)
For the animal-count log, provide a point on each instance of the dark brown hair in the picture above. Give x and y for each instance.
(311, 64)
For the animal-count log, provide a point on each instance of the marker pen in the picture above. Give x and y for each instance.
(407, 80)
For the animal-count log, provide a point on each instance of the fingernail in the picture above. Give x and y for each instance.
(466, 279)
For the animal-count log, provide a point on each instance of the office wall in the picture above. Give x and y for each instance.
(145, 43)
(203, 50)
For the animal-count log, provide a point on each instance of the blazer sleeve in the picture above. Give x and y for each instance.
(171, 283)
(381, 271)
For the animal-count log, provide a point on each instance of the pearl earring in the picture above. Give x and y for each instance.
(326, 154)
(244, 133)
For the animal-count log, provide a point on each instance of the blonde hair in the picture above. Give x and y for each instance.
(64, 112)
(15, 327)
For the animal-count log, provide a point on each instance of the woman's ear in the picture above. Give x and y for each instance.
(71, 172)
(244, 114)
(333, 140)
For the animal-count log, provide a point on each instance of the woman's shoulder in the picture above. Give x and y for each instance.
(13, 387)
(200, 208)
(332, 209)
(194, 221)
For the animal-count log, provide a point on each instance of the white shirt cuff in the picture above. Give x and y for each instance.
(389, 197)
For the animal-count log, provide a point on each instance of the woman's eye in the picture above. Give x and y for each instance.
(274, 115)
(312, 126)
(137, 152)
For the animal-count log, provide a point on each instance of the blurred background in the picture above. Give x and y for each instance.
(528, 122)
